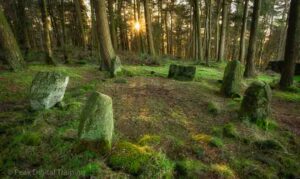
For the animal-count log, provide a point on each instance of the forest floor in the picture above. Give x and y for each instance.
(189, 126)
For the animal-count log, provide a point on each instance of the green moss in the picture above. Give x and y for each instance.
(213, 108)
(250, 169)
(269, 145)
(29, 138)
(234, 104)
(198, 150)
(290, 165)
(216, 142)
(149, 140)
(90, 169)
(191, 168)
(223, 170)
(229, 130)
(205, 72)
(217, 131)
(267, 124)
(288, 96)
(129, 157)
(158, 167)
(267, 78)
(139, 160)
(297, 79)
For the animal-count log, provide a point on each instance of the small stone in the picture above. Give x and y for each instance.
(232, 79)
(256, 103)
(184, 73)
(47, 89)
(116, 67)
(96, 123)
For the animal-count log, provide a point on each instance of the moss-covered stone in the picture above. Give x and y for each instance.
(96, 123)
(116, 67)
(47, 89)
(256, 103)
(232, 79)
(140, 161)
(184, 73)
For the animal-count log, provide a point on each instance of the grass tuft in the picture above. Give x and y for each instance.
(191, 168)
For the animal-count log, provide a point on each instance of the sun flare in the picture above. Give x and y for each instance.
(137, 26)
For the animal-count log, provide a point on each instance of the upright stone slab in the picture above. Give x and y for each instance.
(116, 67)
(47, 89)
(184, 73)
(256, 103)
(96, 123)
(232, 79)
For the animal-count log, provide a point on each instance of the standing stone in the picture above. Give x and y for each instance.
(96, 123)
(232, 79)
(47, 89)
(184, 73)
(116, 67)
(256, 102)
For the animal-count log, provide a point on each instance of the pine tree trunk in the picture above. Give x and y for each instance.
(148, 22)
(243, 32)
(217, 38)
(138, 4)
(12, 53)
(106, 47)
(223, 31)
(208, 32)
(112, 19)
(283, 33)
(250, 66)
(46, 28)
(62, 21)
(292, 48)
(80, 16)
(198, 36)
(23, 26)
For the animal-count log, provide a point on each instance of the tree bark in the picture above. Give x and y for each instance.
(250, 66)
(217, 39)
(198, 36)
(138, 4)
(243, 32)
(106, 46)
(208, 32)
(23, 26)
(292, 48)
(80, 16)
(283, 33)
(223, 31)
(148, 22)
(8, 43)
(46, 35)
(112, 19)
(62, 21)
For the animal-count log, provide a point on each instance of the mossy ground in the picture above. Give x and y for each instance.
(178, 126)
